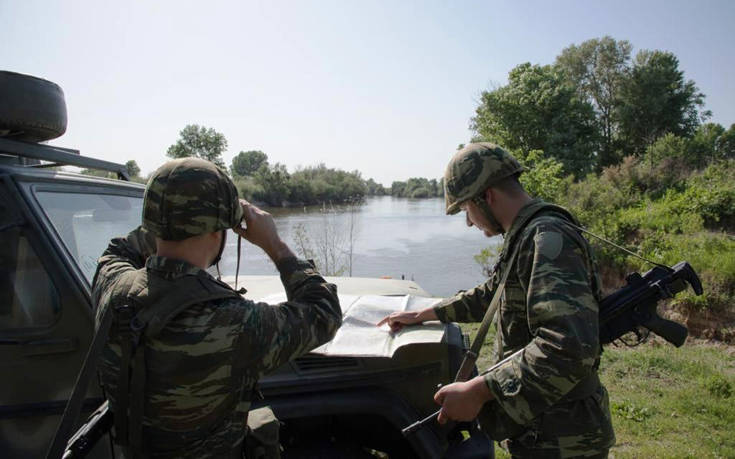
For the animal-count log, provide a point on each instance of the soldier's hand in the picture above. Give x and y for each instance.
(397, 320)
(261, 230)
(462, 401)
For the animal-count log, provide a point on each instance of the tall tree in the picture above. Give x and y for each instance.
(200, 142)
(397, 188)
(656, 100)
(597, 68)
(274, 181)
(538, 110)
(133, 169)
(246, 163)
(725, 145)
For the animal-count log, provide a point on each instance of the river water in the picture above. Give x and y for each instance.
(392, 237)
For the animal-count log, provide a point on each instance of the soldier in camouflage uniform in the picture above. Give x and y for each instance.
(191, 349)
(548, 400)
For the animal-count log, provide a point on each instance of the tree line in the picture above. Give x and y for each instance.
(625, 144)
(272, 184)
(259, 180)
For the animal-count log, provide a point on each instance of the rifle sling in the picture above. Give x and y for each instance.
(470, 358)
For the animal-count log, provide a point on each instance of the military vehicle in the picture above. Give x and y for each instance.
(349, 398)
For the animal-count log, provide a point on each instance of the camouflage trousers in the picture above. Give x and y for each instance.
(575, 429)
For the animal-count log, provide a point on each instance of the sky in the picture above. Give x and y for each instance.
(383, 87)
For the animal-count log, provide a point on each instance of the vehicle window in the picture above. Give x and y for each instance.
(86, 222)
(28, 298)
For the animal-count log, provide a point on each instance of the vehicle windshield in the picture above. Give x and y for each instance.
(86, 222)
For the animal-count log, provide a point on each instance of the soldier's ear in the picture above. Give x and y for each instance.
(490, 196)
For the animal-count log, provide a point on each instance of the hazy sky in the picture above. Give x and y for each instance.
(384, 87)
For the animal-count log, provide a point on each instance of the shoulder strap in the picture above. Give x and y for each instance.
(473, 353)
(470, 358)
(156, 302)
(74, 405)
(167, 299)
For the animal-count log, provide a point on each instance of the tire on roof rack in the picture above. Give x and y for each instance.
(32, 109)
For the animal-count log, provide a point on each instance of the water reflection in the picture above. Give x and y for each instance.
(393, 237)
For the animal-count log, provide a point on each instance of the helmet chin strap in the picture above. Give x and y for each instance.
(237, 270)
(495, 225)
(216, 260)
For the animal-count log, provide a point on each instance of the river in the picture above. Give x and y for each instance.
(392, 237)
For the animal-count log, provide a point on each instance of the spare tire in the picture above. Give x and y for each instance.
(31, 109)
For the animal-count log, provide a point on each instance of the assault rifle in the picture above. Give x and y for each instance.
(623, 311)
(634, 305)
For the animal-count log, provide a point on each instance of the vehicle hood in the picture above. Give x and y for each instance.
(359, 336)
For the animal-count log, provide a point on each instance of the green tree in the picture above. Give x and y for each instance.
(133, 169)
(246, 163)
(668, 146)
(544, 178)
(398, 189)
(656, 100)
(274, 183)
(725, 145)
(374, 188)
(200, 142)
(597, 68)
(702, 148)
(539, 110)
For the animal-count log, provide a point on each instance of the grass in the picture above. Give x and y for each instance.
(665, 401)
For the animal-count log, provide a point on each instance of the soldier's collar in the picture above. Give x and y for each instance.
(173, 266)
(526, 212)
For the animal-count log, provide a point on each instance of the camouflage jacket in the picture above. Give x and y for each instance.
(550, 310)
(211, 350)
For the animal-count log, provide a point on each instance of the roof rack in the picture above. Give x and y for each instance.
(57, 156)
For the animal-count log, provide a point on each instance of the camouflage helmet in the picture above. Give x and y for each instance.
(473, 169)
(187, 197)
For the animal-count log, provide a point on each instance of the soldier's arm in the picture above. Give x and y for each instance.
(468, 306)
(274, 335)
(562, 317)
(123, 254)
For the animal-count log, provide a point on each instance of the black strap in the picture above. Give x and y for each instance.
(74, 405)
(137, 402)
(124, 316)
(239, 252)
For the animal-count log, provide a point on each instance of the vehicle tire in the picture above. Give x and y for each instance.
(32, 109)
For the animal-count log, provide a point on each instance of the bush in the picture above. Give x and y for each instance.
(711, 194)
(247, 188)
(718, 386)
(667, 214)
(545, 177)
(420, 193)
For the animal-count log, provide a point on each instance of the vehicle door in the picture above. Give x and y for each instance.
(52, 233)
